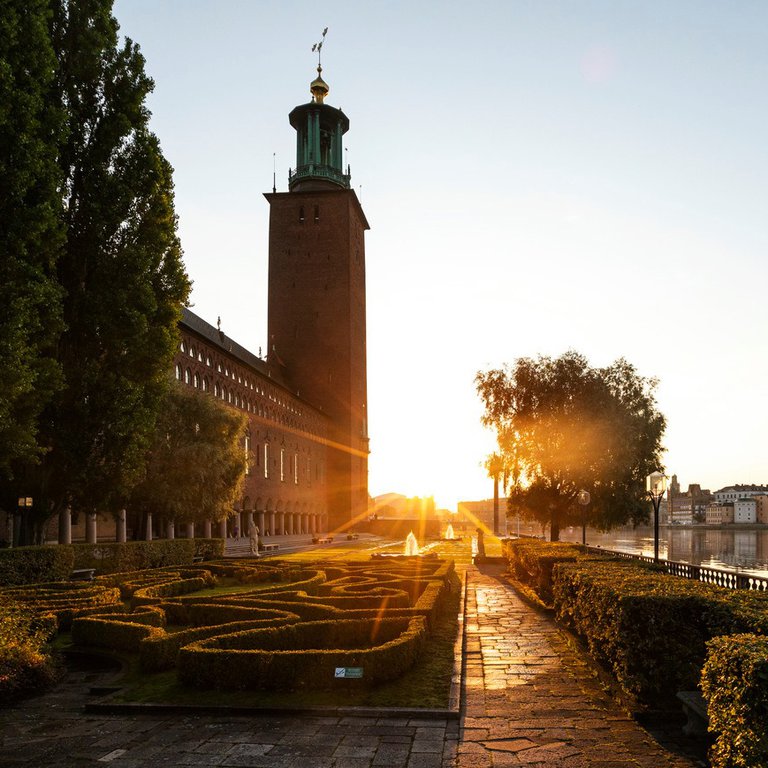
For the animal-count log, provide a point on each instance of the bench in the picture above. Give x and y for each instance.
(351, 536)
(82, 574)
(323, 540)
(269, 547)
(197, 559)
(695, 709)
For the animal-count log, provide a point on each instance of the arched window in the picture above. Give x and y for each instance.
(216, 389)
(191, 351)
(187, 376)
(229, 396)
(266, 459)
(183, 346)
(178, 372)
(205, 383)
(247, 454)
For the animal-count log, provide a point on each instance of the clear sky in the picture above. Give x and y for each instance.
(538, 175)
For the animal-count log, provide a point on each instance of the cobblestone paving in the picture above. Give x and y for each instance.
(531, 700)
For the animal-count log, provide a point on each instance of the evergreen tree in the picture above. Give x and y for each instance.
(31, 228)
(564, 426)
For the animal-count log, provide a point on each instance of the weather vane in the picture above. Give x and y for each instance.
(319, 46)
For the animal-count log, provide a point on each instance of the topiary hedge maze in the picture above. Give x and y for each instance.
(265, 626)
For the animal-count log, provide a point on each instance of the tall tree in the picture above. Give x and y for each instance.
(120, 269)
(567, 427)
(197, 462)
(31, 228)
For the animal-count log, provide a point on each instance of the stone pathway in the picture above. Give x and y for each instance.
(531, 700)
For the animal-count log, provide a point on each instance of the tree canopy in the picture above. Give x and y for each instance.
(115, 277)
(563, 426)
(31, 228)
(197, 462)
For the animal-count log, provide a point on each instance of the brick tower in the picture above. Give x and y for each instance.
(316, 317)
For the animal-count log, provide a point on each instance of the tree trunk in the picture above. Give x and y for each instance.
(554, 525)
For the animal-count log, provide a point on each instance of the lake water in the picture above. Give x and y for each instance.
(744, 551)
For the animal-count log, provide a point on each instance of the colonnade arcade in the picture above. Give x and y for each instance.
(270, 519)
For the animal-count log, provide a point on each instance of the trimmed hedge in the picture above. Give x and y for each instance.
(33, 565)
(304, 656)
(532, 562)
(735, 683)
(650, 628)
(113, 557)
(159, 652)
(101, 632)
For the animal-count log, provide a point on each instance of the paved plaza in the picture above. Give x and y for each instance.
(530, 699)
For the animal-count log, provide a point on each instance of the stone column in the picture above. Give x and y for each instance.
(207, 529)
(272, 521)
(91, 528)
(281, 523)
(223, 529)
(305, 523)
(65, 526)
(148, 533)
(289, 518)
(170, 530)
(120, 527)
(190, 530)
(260, 521)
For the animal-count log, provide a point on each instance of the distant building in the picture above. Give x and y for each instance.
(719, 514)
(482, 512)
(736, 492)
(686, 507)
(761, 504)
(745, 511)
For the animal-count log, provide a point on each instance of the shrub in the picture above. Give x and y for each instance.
(105, 632)
(31, 565)
(112, 557)
(735, 683)
(304, 656)
(650, 628)
(25, 667)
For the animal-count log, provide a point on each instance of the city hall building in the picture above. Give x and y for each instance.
(306, 401)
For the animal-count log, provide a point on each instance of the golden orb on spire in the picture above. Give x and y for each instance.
(318, 87)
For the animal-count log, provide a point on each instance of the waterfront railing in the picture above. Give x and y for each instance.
(709, 575)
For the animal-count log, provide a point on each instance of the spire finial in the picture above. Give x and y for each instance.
(318, 87)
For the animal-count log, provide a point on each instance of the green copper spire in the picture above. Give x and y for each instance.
(319, 138)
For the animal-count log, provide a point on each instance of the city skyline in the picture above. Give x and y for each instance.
(537, 178)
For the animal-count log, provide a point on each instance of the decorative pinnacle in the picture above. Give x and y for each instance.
(318, 87)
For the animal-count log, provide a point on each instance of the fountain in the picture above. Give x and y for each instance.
(449, 534)
(411, 545)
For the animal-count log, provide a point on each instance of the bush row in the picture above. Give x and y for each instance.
(270, 658)
(112, 557)
(31, 565)
(160, 651)
(105, 632)
(735, 683)
(660, 634)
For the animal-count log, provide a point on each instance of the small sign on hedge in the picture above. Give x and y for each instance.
(349, 672)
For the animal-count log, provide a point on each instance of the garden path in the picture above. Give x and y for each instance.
(531, 698)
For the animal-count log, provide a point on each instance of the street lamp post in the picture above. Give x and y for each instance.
(583, 499)
(656, 487)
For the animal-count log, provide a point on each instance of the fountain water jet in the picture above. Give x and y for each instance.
(449, 534)
(411, 545)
